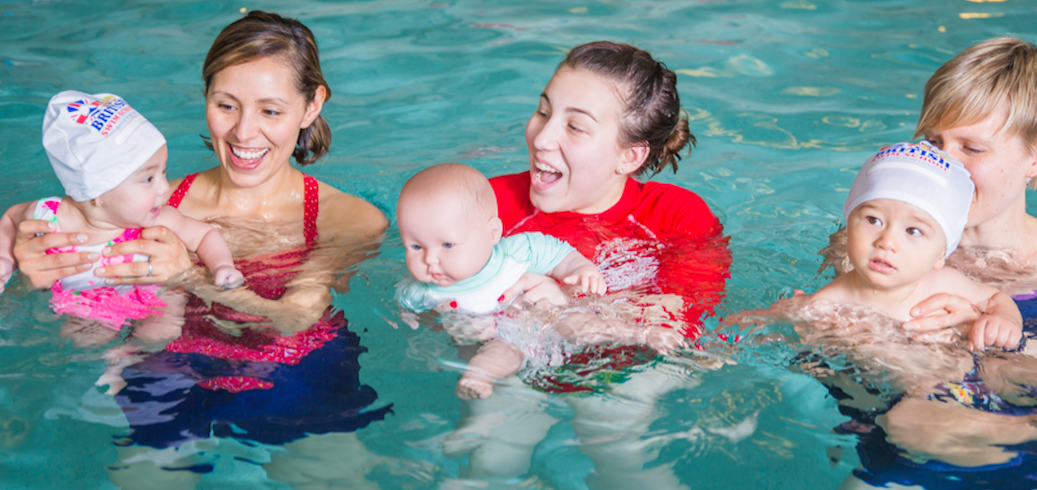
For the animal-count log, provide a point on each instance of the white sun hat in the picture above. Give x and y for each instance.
(923, 176)
(95, 141)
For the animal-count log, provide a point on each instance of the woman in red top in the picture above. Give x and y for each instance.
(609, 113)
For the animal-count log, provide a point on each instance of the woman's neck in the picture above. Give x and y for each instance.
(269, 201)
(1012, 229)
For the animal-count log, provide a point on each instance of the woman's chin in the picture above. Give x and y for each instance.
(546, 204)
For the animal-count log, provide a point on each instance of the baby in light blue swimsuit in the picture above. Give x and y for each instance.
(448, 222)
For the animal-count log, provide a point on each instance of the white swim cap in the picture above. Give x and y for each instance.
(95, 142)
(922, 176)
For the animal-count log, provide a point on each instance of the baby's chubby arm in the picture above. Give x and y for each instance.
(202, 239)
(999, 324)
(8, 232)
(577, 269)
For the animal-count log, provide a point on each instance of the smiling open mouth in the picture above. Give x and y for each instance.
(546, 174)
(249, 154)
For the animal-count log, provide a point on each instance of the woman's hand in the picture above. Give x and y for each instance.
(535, 288)
(168, 259)
(42, 270)
(941, 311)
(999, 326)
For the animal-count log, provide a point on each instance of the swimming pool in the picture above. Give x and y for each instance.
(787, 98)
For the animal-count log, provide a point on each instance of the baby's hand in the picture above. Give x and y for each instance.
(471, 387)
(589, 278)
(227, 277)
(6, 270)
(994, 331)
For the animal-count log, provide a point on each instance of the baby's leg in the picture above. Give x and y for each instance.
(612, 427)
(955, 434)
(86, 332)
(496, 360)
(500, 433)
(332, 460)
(145, 468)
(1004, 374)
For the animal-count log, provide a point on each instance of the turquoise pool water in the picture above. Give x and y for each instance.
(787, 98)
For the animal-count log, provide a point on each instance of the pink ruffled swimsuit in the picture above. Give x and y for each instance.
(85, 295)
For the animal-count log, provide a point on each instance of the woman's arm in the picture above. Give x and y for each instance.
(994, 317)
(343, 243)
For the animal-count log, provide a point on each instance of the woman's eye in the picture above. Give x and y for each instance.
(912, 231)
(575, 129)
(271, 112)
(542, 113)
(448, 245)
(226, 107)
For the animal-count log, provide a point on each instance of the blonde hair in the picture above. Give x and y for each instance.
(456, 180)
(996, 75)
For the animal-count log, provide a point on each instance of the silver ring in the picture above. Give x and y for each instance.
(150, 270)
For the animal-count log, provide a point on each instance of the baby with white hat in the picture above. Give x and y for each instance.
(112, 164)
(905, 215)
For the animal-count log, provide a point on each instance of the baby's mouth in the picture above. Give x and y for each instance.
(881, 265)
(546, 174)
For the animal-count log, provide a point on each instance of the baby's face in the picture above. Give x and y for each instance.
(138, 200)
(444, 245)
(893, 244)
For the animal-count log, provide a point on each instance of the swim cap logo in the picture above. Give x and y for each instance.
(920, 153)
(104, 115)
(80, 111)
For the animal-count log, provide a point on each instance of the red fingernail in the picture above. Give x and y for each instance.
(501, 298)
(453, 304)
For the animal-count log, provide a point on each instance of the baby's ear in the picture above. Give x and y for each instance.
(496, 229)
(940, 263)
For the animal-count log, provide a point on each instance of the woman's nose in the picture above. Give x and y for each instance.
(546, 136)
(245, 128)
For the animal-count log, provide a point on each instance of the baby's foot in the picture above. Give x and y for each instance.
(473, 385)
(664, 339)
(228, 277)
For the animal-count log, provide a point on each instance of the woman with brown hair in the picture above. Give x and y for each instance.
(264, 91)
(609, 114)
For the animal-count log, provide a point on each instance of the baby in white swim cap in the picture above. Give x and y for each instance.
(112, 163)
(905, 215)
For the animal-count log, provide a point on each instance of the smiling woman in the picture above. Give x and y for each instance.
(264, 94)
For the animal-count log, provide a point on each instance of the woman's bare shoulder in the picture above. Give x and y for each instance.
(342, 214)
